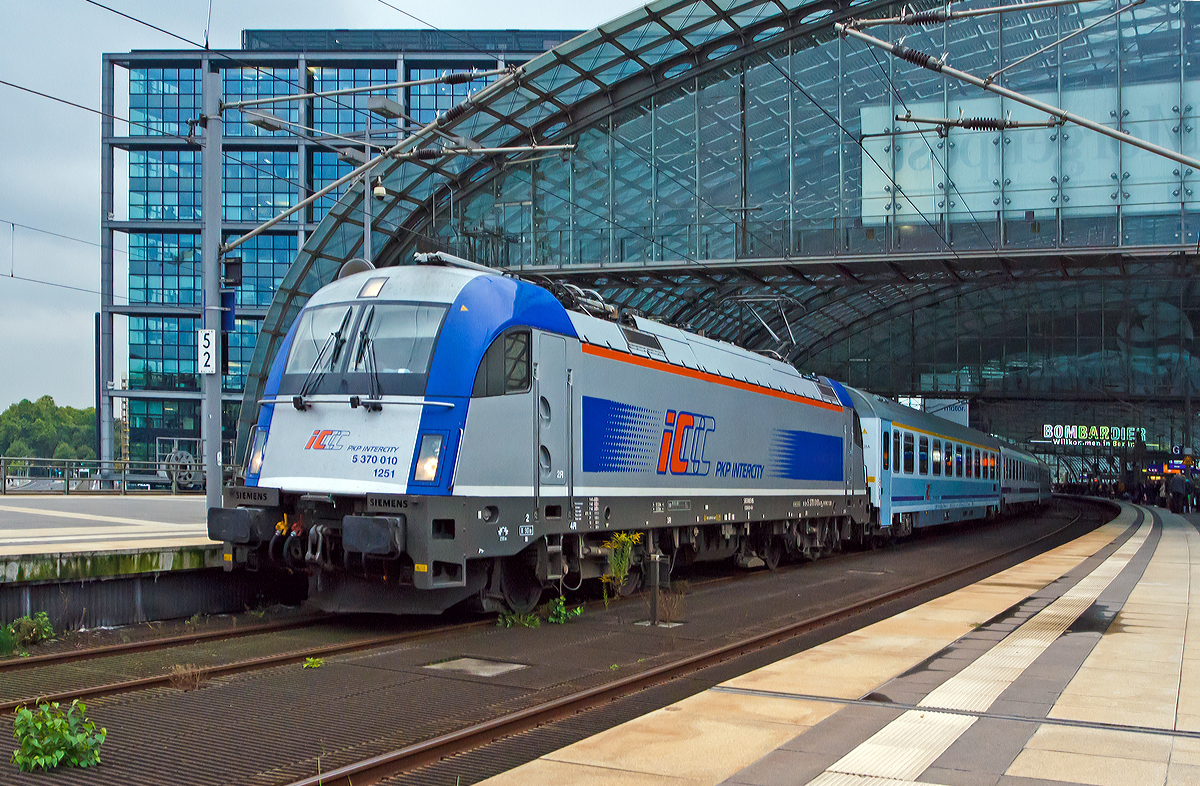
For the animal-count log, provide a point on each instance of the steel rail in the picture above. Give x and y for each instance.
(149, 645)
(251, 664)
(410, 757)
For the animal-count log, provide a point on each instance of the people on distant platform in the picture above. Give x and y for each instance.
(1177, 489)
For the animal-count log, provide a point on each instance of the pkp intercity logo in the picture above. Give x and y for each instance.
(326, 439)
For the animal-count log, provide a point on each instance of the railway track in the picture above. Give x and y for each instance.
(240, 665)
(455, 743)
(292, 655)
(472, 719)
(151, 645)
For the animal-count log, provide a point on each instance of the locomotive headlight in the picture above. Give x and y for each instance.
(254, 459)
(427, 458)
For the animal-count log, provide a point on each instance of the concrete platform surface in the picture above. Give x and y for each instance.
(55, 524)
(1079, 666)
(61, 538)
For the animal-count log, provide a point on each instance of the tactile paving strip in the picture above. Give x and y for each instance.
(904, 748)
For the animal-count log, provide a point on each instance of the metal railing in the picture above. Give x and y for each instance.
(33, 475)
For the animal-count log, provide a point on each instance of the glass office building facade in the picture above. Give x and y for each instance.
(263, 172)
(740, 169)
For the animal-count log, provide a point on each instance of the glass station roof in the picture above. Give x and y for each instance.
(725, 159)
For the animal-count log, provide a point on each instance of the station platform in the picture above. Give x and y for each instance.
(1079, 666)
(47, 537)
(92, 560)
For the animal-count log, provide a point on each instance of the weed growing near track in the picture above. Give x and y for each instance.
(51, 737)
(511, 619)
(186, 676)
(313, 663)
(620, 560)
(27, 632)
(560, 614)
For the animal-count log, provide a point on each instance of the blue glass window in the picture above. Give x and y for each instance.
(249, 83)
(265, 261)
(164, 268)
(162, 100)
(259, 184)
(162, 353)
(346, 114)
(326, 167)
(164, 185)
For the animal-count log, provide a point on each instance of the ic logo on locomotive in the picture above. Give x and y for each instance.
(683, 441)
(326, 439)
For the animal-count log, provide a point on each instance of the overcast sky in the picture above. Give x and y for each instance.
(50, 153)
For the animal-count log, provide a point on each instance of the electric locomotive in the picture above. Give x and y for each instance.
(441, 433)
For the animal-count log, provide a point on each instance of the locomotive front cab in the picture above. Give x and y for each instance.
(351, 469)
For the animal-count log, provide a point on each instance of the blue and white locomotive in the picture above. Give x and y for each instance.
(439, 433)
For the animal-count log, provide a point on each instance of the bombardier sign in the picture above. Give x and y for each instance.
(1094, 436)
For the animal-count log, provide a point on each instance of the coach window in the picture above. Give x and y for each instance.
(977, 473)
(887, 449)
(958, 459)
(937, 457)
(505, 366)
(908, 453)
(994, 461)
(895, 451)
(948, 457)
(923, 455)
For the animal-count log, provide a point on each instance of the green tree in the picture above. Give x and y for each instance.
(19, 449)
(64, 451)
(41, 427)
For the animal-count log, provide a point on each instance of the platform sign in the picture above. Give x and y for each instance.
(206, 351)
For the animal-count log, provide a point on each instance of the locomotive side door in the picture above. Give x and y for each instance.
(553, 416)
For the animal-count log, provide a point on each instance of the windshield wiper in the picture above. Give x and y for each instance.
(366, 350)
(312, 379)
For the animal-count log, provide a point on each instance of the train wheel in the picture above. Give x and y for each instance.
(632, 583)
(519, 585)
(771, 552)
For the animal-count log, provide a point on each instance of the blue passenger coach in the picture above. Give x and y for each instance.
(924, 470)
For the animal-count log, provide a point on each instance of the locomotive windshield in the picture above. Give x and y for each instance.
(401, 335)
(361, 349)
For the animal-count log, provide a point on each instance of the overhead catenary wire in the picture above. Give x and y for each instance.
(15, 224)
(936, 16)
(456, 78)
(934, 157)
(694, 191)
(61, 286)
(268, 72)
(939, 66)
(856, 140)
(156, 131)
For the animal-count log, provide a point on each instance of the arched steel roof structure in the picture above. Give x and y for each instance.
(737, 172)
